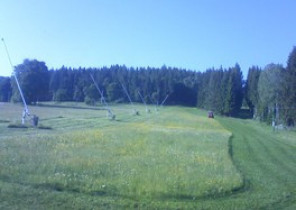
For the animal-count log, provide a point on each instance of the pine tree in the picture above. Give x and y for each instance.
(234, 91)
(251, 94)
(214, 96)
(291, 88)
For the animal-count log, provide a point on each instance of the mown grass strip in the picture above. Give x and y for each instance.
(267, 164)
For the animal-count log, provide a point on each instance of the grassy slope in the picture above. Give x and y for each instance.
(265, 159)
(156, 161)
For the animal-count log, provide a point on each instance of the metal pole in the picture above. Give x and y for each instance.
(164, 100)
(129, 98)
(110, 113)
(147, 110)
(125, 91)
(17, 82)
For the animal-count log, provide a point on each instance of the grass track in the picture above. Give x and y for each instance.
(267, 161)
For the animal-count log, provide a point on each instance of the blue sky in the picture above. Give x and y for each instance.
(191, 34)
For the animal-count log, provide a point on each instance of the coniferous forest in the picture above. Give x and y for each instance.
(268, 93)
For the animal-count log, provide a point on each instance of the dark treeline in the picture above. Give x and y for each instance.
(154, 84)
(182, 87)
(269, 93)
(221, 90)
(5, 89)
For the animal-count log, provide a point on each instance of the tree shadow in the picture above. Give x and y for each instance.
(244, 114)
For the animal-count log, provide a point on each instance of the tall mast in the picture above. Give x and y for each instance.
(26, 110)
(147, 110)
(129, 98)
(162, 103)
(110, 113)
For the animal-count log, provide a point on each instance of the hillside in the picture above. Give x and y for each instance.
(173, 158)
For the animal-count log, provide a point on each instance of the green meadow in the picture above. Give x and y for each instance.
(173, 158)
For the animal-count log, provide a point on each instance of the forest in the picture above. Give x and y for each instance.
(269, 93)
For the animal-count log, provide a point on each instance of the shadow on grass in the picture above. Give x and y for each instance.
(244, 114)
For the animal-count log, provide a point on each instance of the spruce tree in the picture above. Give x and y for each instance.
(251, 94)
(291, 88)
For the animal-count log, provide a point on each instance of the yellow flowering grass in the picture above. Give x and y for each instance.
(176, 153)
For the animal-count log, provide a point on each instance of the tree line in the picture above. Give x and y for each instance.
(70, 84)
(269, 93)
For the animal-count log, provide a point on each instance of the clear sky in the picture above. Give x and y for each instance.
(191, 34)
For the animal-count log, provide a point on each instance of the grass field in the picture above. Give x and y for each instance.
(176, 158)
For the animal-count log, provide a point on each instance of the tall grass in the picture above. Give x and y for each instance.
(175, 158)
